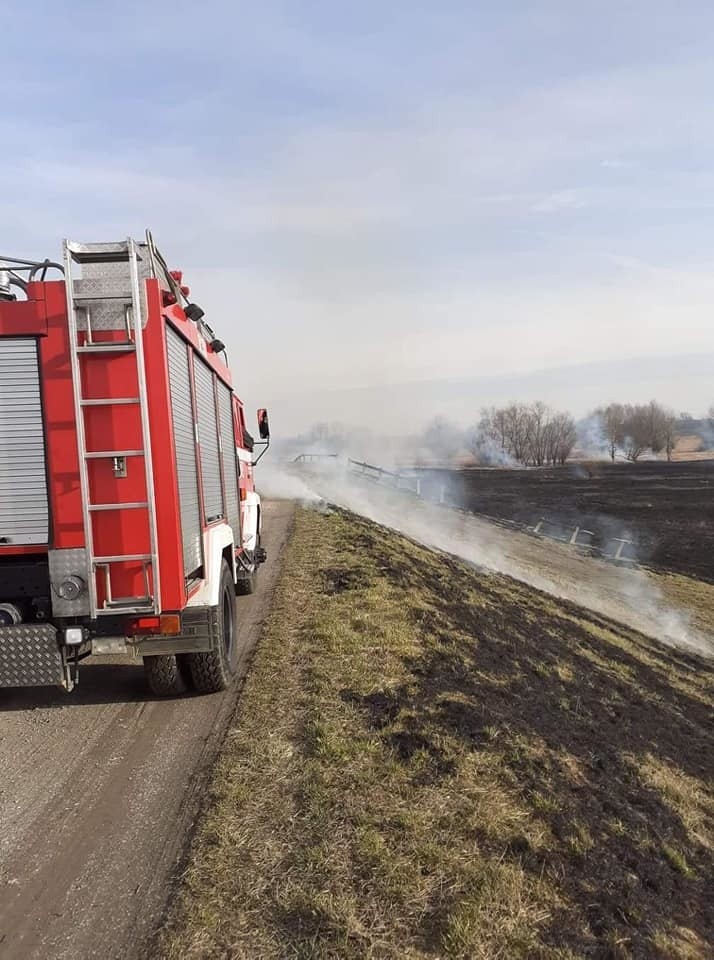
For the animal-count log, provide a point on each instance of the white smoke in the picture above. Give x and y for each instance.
(490, 453)
(706, 432)
(592, 444)
(628, 595)
(280, 483)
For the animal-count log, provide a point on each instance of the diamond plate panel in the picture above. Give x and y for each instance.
(63, 564)
(117, 269)
(104, 289)
(103, 314)
(30, 656)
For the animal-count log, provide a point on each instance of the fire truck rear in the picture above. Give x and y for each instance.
(129, 518)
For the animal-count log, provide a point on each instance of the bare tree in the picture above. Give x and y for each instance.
(652, 415)
(537, 419)
(638, 431)
(612, 418)
(670, 433)
(636, 428)
(650, 427)
(518, 429)
(530, 434)
(493, 426)
(562, 436)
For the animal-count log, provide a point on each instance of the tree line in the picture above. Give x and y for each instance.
(535, 435)
(525, 434)
(633, 429)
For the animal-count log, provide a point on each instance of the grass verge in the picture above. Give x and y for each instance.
(430, 761)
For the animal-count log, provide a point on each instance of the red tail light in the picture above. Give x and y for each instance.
(167, 625)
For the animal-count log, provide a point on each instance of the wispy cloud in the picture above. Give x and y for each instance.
(383, 194)
(560, 200)
(615, 164)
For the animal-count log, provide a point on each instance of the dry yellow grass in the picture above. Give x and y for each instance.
(431, 762)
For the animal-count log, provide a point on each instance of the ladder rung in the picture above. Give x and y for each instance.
(99, 454)
(127, 605)
(118, 506)
(124, 557)
(96, 290)
(99, 252)
(109, 401)
(114, 347)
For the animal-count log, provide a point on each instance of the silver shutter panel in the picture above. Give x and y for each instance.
(208, 441)
(23, 480)
(228, 456)
(184, 438)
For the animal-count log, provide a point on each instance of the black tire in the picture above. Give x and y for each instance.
(214, 671)
(165, 676)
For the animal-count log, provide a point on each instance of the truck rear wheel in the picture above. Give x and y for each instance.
(214, 671)
(165, 676)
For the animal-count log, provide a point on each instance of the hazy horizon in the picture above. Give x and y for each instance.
(407, 407)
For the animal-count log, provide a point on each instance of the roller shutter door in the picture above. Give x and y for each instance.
(208, 441)
(23, 480)
(228, 456)
(184, 438)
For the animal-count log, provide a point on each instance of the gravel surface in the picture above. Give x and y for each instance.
(99, 792)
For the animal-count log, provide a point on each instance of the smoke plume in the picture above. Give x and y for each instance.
(628, 595)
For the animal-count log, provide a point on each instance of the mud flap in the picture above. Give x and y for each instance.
(30, 656)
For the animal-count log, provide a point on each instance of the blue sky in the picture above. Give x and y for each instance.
(373, 194)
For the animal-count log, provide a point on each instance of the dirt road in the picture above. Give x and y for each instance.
(98, 792)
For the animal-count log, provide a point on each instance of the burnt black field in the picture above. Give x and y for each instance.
(665, 509)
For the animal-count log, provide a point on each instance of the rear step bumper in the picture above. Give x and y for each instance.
(30, 656)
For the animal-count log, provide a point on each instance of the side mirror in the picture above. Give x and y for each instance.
(263, 424)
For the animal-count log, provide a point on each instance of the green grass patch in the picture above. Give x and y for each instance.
(428, 761)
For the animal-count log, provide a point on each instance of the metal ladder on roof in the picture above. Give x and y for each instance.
(114, 289)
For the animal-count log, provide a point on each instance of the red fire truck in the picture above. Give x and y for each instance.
(129, 518)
